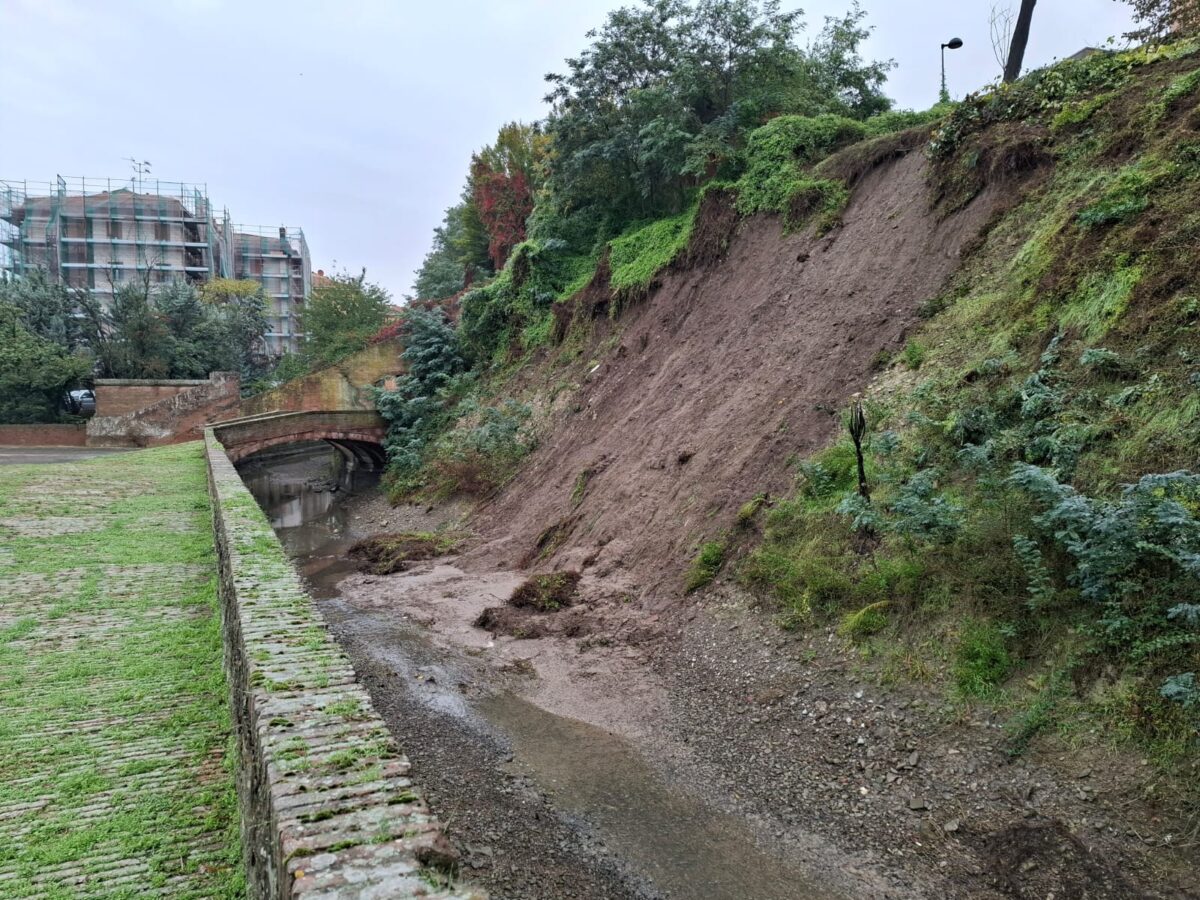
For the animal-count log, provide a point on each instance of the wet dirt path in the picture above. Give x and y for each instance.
(541, 804)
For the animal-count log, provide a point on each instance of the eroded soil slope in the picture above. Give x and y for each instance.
(720, 376)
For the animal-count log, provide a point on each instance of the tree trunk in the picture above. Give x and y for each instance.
(1020, 37)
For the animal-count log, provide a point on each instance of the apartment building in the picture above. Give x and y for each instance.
(97, 234)
(278, 259)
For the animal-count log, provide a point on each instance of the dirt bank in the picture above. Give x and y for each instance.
(722, 375)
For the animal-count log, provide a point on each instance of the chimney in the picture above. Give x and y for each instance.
(283, 232)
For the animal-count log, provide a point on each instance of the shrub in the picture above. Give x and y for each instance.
(706, 565)
(914, 354)
(483, 450)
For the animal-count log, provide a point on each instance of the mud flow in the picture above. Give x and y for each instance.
(540, 804)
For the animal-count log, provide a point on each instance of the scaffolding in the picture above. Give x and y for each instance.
(96, 233)
(278, 259)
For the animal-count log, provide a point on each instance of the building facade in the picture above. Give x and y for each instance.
(96, 235)
(278, 259)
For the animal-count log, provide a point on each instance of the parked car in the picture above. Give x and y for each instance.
(82, 402)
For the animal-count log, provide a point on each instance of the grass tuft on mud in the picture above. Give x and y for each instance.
(547, 592)
(385, 554)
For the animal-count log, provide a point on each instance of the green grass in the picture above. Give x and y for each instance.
(706, 565)
(111, 686)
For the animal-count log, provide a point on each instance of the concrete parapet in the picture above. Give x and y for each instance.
(327, 807)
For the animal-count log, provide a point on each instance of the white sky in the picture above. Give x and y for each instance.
(357, 120)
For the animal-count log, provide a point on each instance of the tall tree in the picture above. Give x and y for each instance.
(504, 178)
(341, 316)
(1020, 38)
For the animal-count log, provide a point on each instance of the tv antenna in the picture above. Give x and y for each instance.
(141, 168)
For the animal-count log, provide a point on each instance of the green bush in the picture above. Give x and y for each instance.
(914, 354)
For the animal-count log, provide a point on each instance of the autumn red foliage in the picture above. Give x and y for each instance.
(504, 202)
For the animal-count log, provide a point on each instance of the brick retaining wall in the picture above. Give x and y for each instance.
(43, 435)
(119, 396)
(328, 809)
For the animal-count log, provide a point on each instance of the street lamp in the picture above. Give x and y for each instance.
(952, 44)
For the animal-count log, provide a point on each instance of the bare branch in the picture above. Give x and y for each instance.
(1000, 27)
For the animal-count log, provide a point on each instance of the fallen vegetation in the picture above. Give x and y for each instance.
(385, 554)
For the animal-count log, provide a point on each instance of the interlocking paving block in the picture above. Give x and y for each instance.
(328, 809)
(114, 717)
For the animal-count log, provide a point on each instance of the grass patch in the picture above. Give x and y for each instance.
(706, 565)
(981, 660)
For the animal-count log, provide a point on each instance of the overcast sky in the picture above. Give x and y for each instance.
(356, 121)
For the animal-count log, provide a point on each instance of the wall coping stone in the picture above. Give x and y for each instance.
(328, 810)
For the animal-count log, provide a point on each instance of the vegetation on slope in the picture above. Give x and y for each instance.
(1031, 509)
(1031, 513)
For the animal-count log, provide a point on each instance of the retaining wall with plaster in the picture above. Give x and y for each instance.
(327, 807)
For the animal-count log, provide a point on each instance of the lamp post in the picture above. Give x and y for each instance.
(952, 44)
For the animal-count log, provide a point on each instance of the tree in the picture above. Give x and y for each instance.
(1000, 29)
(459, 253)
(1158, 19)
(504, 178)
(69, 318)
(35, 372)
(1020, 37)
(667, 92)
(242, 307)
(341, 316)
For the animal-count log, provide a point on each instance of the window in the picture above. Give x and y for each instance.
(114, 229)
(72, 228)
(256, 267)
(162, 231)
(76, 278)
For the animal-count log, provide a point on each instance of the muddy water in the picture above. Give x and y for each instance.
(665, 836)
(303, 493)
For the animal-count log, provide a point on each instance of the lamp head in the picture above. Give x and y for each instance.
(953, 43)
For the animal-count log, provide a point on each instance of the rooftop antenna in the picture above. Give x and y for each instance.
(141, 168)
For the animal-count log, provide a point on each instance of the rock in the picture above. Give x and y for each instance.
(916, 804)
(951, 826)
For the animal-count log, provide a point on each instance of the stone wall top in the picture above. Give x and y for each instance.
(328, 809)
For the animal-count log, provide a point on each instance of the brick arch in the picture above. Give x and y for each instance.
(357, 435)
(363, 446)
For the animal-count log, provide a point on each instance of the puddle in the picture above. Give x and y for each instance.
(668, 836)
(686, 848)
